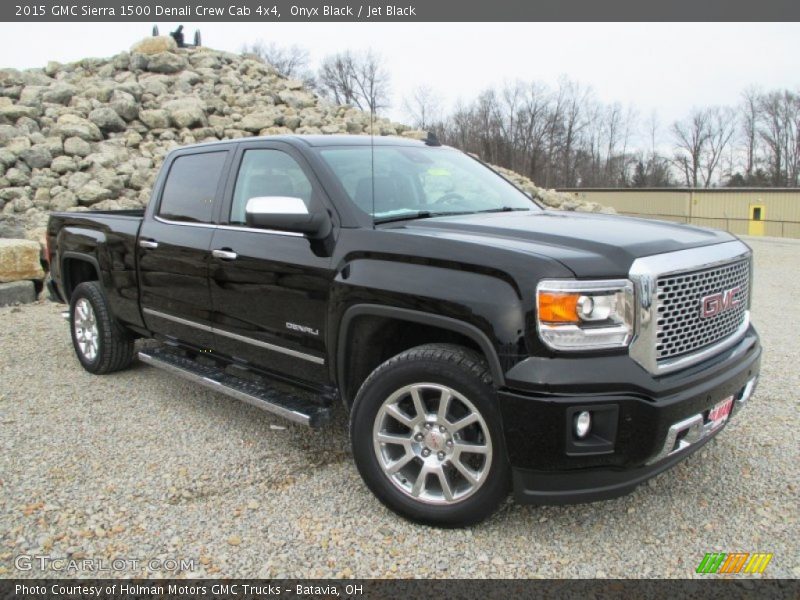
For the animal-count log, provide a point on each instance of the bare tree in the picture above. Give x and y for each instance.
(362, 80)
(337, 79)
(721, 127)
(565, 138)
(749, 117)
(691, 137)
(778, 124)
(658, 173)
(533, 127)
(577, 98)
(423, 107)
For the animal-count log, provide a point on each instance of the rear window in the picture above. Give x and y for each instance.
(191, 187)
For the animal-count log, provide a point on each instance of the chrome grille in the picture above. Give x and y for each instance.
(680, 328)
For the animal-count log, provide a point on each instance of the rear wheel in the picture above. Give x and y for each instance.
(426, 436)
(101, 344)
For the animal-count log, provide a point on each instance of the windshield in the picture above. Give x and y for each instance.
(415, 181)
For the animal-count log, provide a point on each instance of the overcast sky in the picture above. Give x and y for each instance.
(661, 67)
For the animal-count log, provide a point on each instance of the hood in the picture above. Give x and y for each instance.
(589, 244)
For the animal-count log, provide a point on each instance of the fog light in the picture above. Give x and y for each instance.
(583, 422)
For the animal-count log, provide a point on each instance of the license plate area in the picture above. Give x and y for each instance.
(689, 431)
(719, 413)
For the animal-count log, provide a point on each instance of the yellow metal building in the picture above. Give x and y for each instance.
(745, 211)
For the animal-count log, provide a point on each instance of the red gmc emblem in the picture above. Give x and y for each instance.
(712, 305)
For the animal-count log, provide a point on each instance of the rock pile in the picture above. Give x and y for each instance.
(92, 134)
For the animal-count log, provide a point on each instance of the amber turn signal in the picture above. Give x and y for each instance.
(558, 307)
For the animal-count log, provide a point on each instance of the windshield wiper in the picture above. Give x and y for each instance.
(426, 214)
(420, 214)
(502, 209)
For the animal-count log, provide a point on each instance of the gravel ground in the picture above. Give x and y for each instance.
(141, 464)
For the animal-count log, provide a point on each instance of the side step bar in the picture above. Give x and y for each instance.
(261, 395)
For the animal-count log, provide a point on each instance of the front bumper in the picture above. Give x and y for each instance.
(542, 396)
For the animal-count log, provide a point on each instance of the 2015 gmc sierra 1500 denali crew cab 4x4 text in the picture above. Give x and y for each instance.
(479, 342)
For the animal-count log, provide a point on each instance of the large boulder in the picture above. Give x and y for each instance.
(92, 193)
(124, 104)
(17, 176)
(154, 45)
(63, 201)
(31, 95)
(154, 119)
(297, 99)
(166, 62)
(18, 145)
(63, 164)
(17, 292)
(12, 112)
(107, 119)
(7, 133)
(38, 156)
(187, 112)
(59, 93)
(256, 121)
(74, 126)
(19, 259)
(76, 146)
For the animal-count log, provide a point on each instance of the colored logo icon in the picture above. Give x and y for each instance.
(737, 562)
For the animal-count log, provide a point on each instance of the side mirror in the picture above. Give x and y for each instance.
(284, 213)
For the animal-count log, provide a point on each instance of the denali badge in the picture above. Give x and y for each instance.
(301, 328)
(712, 305)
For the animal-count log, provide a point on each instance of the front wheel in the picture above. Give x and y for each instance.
(426, 436)
(101, 344)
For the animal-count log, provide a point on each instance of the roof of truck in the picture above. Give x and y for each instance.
(320, 140)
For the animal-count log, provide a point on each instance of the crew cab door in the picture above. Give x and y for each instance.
(269, 289)
(174, 244)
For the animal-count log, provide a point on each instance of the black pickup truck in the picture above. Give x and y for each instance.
(478, 342)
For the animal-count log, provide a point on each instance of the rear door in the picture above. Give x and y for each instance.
(270, 289)
(173, 252)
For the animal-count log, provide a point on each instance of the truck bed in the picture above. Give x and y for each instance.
(106, 240)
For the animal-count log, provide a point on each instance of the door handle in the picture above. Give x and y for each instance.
(150, 244)
(224, 254)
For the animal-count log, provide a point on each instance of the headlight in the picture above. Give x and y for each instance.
(585, 315)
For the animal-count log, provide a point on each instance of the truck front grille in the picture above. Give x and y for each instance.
(680, 326)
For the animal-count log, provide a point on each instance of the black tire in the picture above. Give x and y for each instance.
(114, 348)
(465, 372)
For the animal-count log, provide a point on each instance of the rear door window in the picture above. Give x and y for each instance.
(191, 187)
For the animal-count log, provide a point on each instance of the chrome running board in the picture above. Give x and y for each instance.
(265, 396)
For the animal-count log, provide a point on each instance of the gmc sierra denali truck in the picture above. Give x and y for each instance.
(478, 342)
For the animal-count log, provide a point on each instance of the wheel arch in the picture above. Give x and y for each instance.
(77, 267)
(457, 327)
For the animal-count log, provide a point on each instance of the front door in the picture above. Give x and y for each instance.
(174, 249)
(269, 289)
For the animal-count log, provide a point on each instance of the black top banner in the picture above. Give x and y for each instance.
(399, 11)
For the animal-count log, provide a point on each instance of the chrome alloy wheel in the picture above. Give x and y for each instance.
(85, 326)
(432, 443)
